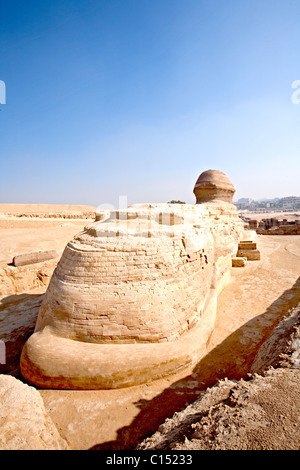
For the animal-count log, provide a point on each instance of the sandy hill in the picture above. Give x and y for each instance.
(47, 210)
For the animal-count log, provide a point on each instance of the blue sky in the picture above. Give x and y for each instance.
(136, 98)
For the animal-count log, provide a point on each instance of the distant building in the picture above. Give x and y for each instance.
(290, 203)
(244, 200)
(243, 203)
(284, 204)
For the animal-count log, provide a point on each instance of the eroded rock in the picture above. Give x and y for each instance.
(33, 258)
(134, 295)
(24, 423)
(213, 185)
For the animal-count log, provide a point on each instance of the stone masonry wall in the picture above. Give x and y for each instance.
(138, 289)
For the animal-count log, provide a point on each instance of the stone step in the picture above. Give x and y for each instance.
(239, 262)
(249, 254)
(247, 245)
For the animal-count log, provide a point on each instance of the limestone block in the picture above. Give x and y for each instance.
(239, 262)
(249, 235)
(253, 224)
(247, 245)
(251, 255)
(101, 214)
(32, 258)
(14, 280)
(24, 422)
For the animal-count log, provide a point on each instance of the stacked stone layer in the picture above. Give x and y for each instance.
(133, 297)
(137, 289)
(213, 185)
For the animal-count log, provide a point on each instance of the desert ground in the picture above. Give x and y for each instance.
(249, 308)
(289, 216)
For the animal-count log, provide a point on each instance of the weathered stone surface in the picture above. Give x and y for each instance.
(50, 361)
(253, 224)
(238, 262)
(213, 185)
(32, 258)
(101, 214)
(273, 226)
(24, 423)
(251, 255)
(248, 249)
(280, 230)
(247, 245)
(133, 297)
(15, 280)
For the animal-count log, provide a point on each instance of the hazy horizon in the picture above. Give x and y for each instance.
(109, 98)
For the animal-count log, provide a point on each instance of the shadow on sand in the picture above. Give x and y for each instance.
(232, 359)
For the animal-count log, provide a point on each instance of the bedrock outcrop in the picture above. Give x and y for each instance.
(24, 422)
(133, 297)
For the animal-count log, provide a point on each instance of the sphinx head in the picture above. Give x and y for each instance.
(213, 185)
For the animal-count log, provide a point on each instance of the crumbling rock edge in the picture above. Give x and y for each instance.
(24, 421)
(260, 412)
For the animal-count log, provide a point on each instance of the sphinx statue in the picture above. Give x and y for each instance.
(133, 298)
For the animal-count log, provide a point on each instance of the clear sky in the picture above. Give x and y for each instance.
(136, 98)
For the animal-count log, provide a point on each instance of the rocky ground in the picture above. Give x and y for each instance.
(215, 405)
(260, 412)
(280, 215)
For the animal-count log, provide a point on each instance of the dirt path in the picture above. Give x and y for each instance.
(248, 310)
(250, 307)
